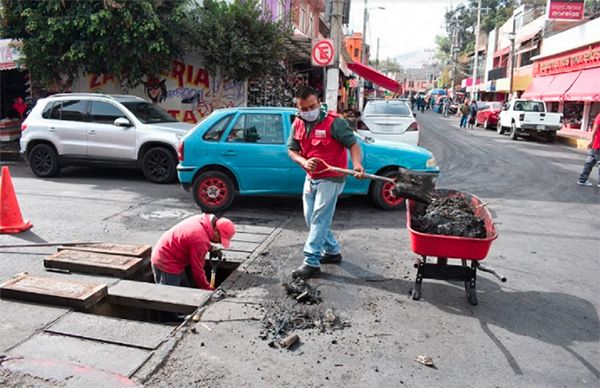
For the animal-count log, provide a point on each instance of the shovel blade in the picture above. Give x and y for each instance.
(418, 186)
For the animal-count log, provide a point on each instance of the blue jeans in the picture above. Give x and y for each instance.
(319, 198)
(463, 121)
(592, 159)
(168, 279)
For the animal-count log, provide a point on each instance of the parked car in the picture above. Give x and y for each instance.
(525, 117)
(488, 114)
(389, 120)
(243, 151)
(98, 129)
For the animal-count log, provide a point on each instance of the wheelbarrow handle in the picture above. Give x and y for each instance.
(483, 268)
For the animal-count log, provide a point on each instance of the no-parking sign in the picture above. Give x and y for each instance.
(322, 53)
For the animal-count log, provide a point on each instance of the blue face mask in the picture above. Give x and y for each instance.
(311, 115)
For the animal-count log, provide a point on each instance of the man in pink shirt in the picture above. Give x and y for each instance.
(187, 243)
(593, 155)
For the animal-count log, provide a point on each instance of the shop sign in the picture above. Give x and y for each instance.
(578, 60)
(566, 9)
(9, 54)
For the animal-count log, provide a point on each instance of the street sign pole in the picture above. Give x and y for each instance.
(333, 72)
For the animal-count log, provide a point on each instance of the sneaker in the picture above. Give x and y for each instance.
(331, 259)
(586, 183)
(305, 272)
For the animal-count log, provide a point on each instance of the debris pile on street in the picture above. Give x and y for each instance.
(280, 320)
(449, 216)
(302, 291)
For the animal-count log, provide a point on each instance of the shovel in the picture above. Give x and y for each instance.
(415, 185)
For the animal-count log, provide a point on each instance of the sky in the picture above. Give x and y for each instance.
(404, 26)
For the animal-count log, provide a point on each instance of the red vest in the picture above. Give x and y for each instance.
(320, 144)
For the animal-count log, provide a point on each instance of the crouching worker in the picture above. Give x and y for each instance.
(187, 243)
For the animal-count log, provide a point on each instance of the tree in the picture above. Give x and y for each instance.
(238, 41)
(128, 39)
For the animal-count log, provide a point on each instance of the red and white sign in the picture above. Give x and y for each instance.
(584, 58)
(9, 54)
(322, 52)
(566, 9)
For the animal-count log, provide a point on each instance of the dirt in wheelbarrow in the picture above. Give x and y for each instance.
(449, 216)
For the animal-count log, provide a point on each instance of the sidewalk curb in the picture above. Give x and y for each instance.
(574, 142)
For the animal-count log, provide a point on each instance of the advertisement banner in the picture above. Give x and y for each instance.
(186, 90)
(565, 9)
(584, 58)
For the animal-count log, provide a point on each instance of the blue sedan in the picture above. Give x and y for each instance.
(243, 151)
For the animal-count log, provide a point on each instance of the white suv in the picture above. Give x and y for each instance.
(89, 128)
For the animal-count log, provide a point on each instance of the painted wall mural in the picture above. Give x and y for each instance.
(186, 90)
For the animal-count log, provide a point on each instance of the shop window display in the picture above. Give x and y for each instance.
(572, 114)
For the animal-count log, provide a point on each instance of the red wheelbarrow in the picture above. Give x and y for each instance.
(452, 247)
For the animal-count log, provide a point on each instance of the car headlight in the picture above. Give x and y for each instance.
(431, 162)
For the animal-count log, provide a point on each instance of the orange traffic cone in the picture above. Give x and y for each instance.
(11, 220)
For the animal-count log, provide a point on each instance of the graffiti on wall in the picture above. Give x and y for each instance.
(186, 90)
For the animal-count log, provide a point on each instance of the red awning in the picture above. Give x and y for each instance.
(550, 88)
(586, 87)
(537, 87)
(374, 76)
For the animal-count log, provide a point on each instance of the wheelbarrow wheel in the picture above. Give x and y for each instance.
(471, 294)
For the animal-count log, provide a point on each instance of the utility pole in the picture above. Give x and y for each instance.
(333, 72)
(363, 57)
(377, 60)
(475, 60)
(512, 57)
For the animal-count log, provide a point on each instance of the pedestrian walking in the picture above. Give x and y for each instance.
(472, 114)
(187, 244)
(320, 135)
(464, 114)
(447, 103)
(593, 156)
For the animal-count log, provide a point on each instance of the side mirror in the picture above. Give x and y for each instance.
(123, 122)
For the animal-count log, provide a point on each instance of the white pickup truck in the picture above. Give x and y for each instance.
(524, 117)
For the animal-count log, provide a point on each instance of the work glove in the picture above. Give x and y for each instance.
(216, 254)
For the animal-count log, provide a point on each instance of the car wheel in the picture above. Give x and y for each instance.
(486, 124)
(213, 191)
(43, 161)
(383, 196)
(159, 165)
(550, 136)
(500, 128)
(513, 132)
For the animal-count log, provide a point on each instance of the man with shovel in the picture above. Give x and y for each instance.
(318, 135)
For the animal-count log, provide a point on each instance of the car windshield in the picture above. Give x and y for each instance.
(387, 108)
(496, 105)
(148, 113)
(529, 106)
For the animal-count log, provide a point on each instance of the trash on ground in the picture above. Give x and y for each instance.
(289, 341)
(449, 216)
(425, 360)
(302, 291)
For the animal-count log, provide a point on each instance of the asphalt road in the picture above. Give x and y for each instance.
(539, 329)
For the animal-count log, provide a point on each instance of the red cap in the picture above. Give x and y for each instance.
(226, 229)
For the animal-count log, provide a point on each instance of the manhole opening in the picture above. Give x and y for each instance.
(224, 270)
(114, 310)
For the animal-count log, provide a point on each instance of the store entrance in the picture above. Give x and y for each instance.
(12, 86)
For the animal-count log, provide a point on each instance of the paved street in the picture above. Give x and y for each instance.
(541, 328)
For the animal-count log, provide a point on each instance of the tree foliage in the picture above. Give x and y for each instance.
(128, 39)
(237, 40)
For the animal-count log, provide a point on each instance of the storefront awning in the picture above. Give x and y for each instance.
(550, 88)
(374, 76)
(585, 87)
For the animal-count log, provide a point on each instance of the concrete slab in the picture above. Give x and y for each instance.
(53, 373)
(249, 237)
(111, 330)
(94, 263)
(53, 291)
(110, 248)
(114, 358)
(157, 296)
(236, 255)
(243, 246)
(14, 328)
